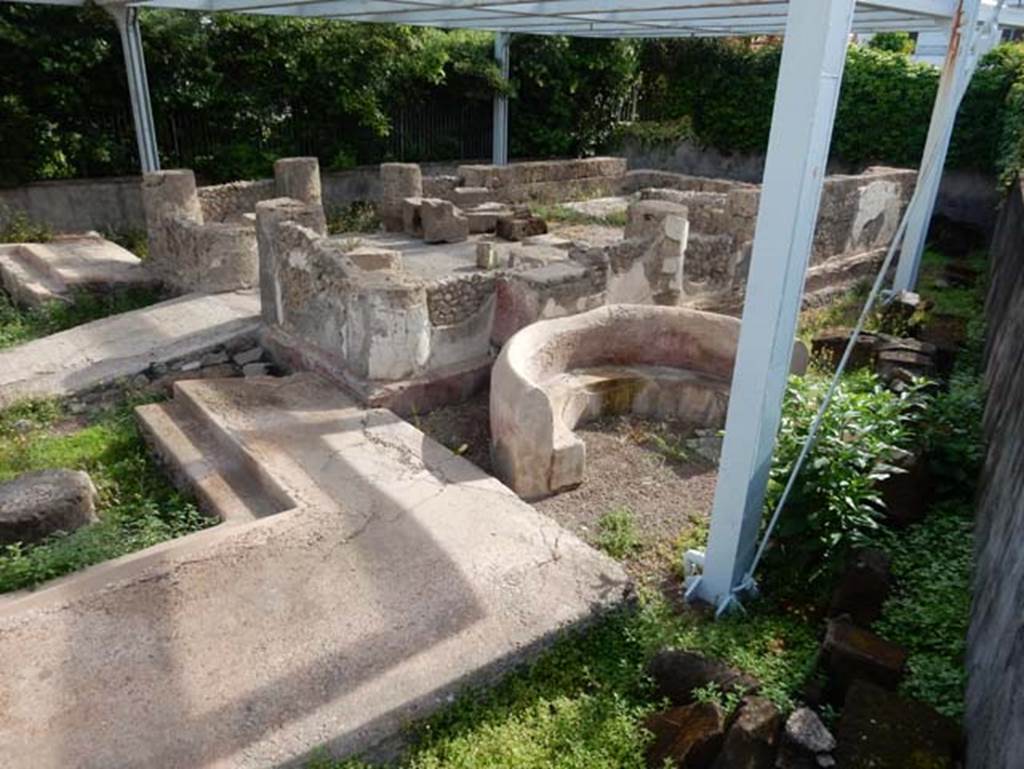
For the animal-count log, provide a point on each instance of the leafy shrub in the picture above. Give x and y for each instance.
(834, 504)
(617, 534)
(17, 227)
(359, 216)
(897, 42)
(653, 133)
(727, 89)
(953, 436)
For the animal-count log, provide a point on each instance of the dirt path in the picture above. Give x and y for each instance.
(633, 464)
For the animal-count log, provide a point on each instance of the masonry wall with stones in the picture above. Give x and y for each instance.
(995, 644)
(231, 201)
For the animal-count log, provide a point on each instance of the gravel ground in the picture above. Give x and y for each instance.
(632, 464)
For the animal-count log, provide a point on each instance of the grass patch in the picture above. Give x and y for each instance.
(582, 703)
(616, 533)
(930, 611)
(19, 325)
(554, 212)
(129, 238)
(137, 506)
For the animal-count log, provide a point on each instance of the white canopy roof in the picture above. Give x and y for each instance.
(594, 18)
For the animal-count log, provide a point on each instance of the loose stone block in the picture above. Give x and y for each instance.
(486, 256)
(299, 179)
(806, 742)
(37, 504)
(398, 181)
(373, 259)
(753, 738)
(851, 652)
(676, 674)
(442, 221)
(688, 737)
(908, 491)
(863, 587)
(520, 227)
(645, 217)
(412, 222)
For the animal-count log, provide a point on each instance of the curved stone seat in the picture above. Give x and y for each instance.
(641, 359)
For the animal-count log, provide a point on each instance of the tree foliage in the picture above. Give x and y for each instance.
(727, 89)
(232, 92)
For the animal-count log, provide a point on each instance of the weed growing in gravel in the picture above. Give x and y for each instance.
(137, 506)
(17, 227)
(617, 533)
(359, 216)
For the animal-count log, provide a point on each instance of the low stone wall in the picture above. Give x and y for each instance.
(185, 252)
(79, 205)
(965, 196)
(995, 644)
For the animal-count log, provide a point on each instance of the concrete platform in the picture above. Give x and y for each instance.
(121, 346)
(37, 273)
(400, 574)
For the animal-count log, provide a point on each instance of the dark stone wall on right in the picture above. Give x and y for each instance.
(995, 655)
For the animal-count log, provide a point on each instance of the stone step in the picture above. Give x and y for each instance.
(117, 348)
(320, 447)
(400, 575)
(29, 283)
(35, 273)
(220, 476)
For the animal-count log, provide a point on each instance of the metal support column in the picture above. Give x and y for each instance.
(499, 153)
(127, 20)
(810, 74)
(968, 42)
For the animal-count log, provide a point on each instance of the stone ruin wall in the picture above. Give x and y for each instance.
(232, 201)
(205, 240)
(858, 216)
(365, 319)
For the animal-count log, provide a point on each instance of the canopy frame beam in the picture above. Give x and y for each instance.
(126, 18)
(500, 137)
(813, 58)
(970, 39)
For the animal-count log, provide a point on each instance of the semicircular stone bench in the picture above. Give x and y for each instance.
(656, 361)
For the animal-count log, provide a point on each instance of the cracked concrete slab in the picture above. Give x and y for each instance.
(400, 574)
(110, 349)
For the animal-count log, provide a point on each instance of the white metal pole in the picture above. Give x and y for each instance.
(499, 153)
(966, 46)
(127, 20)
(813, 56)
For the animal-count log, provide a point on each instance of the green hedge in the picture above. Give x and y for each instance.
(232, 92)
(727, 87)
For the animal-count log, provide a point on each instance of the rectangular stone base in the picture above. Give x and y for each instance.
(452, 384)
